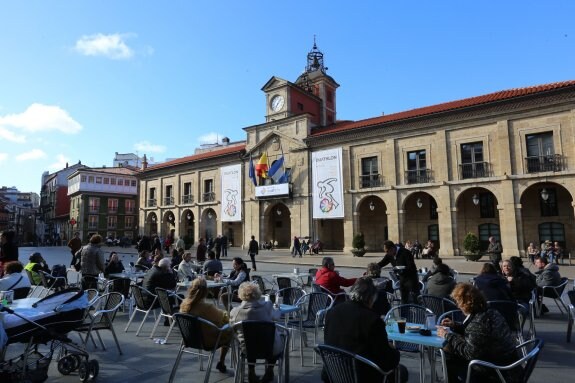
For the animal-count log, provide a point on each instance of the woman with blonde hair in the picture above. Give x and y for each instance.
(195, 304)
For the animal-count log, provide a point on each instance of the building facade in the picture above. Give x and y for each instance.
(104, 201)
(501, 164)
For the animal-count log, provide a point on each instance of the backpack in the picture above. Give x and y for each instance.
(59, 271)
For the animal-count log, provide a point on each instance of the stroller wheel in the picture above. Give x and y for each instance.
(83, 370)
(94, 368)
(67, 364)
(77, 360)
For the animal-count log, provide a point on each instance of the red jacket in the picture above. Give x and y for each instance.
(332, 281)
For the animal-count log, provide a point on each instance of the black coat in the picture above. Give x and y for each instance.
(354, 327)
(493, 286)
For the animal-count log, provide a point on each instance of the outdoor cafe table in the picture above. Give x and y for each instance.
(295, 276)
(24, 303)
(432, 343)
(128, 274)
(212, 284)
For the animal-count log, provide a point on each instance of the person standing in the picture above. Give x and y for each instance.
(224, 245)
(180, 243)
(218, 246)
(74, 244)
(494, 250)
(253, 251)
(404, 265)
(296, 247)
(8, 249)
(92, 257)
(201, 251)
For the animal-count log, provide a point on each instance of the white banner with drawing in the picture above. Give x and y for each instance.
(327, 184)
(231, 181)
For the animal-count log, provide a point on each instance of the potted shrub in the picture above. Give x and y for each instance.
(358, 245)
(471, 250)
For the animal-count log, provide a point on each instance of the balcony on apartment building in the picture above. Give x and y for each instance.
(418, 176)
(151, 202)
(209, 197)
(370, 181)
(187, 199)
(547, 163)
(168, 201)
(474, 170)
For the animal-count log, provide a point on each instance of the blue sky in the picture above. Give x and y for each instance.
(81, 80)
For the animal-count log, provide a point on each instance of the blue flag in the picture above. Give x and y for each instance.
(276, 171)
(252, 172)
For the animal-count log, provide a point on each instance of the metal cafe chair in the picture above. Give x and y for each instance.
(256, 341)
(192, 337)
(571, 316)
(170, 304)
(143, 305)
(510, 310)
(342, 366)
(554, 292)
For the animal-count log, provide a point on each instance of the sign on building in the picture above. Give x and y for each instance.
(327, 184)
(231, 181)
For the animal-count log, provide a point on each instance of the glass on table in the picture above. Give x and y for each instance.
(390, 323)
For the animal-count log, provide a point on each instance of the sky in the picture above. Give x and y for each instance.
(82, 80)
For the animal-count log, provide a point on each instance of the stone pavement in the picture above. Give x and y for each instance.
(145, 361)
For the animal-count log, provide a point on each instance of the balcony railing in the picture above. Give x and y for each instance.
(92, 226)
(370, 181)
(112, 226)
(548, 163)
(418, 176)
(474, 170)
(188, 198)
(94, 209)
(112, 210)
(209, 197)
(151, 203)
(130, 210)
(168, 200)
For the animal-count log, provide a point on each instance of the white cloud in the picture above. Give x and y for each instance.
(3, 157)
(40, 118)
(211, 138)
(111, 46)
(33, 154)
(8, 135)
(147, 147)
(60, 163)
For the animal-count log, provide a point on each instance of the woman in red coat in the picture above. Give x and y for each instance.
(328, 278)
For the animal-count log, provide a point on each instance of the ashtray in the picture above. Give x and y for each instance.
(425, 332)
(413, 328)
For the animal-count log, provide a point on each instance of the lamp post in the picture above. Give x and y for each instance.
(475, 199)
(544, 195)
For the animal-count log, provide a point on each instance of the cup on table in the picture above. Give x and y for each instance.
(266, 298)
(401, 322)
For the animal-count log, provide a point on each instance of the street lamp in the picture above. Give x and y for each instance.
(475, 199)
(278, 212)
(419, 203)
(371, 206)
(544, 194)
(210, 215)
(189, 216)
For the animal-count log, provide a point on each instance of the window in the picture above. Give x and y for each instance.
(112, 221)
(553, 231)
(432, 209)
(433, 234)
(98, 180)
(417, 167)
(549, 208)
(83, 178)
(112, 181)
(369, 173)
(112, 205)
(541, 153)
(209, 195)
(127, 182)
(120, 182)
(106, 180)
(92, 222)
(94, 205)
(486, 205)
(130, 206)
(128, 222)
(169, 197)
(133, 183)
(187, 193)
(90, 179)
(300, 106)
(487, 230)
(152, 197)
(329, 94)
(472, 164)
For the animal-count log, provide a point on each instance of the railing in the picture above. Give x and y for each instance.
(112, 210)
(209, 197)
(94, 209)
(474, 170)
(418, 176)
(548, 163)
(130, 211)
(188, 198)
(370, 181)
(151, 202)
(112, 226)
(92, 226)
(168, 200)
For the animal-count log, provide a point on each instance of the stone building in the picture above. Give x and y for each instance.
(500, 164)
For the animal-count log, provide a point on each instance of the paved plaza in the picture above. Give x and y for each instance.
(146, 361)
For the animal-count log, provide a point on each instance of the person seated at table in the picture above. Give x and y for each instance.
(520, 279)
(239, 274)
(547, 275)
(212, 266)
(195, 304)
(114, 265)
(492, 285)
(186, 269)
(177, 256)
(14, 278)
(435, 262)
(355, 327)
(255, 308)
(484, 335)
(329, 279)
(384, 285)
(441, 282)
(36, 265)
(143, 263)
(160, 275)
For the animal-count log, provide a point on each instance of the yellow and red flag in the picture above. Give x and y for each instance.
(262, 166)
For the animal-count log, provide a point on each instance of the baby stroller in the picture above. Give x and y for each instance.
(46, 322)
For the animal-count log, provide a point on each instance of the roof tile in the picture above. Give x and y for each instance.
(197, 157)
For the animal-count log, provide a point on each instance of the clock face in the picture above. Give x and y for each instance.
(277, 103)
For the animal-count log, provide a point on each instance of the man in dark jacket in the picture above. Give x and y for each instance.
(253, 250)
(494, 250)
(402, 261)
(160, 275)
(354, 327)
